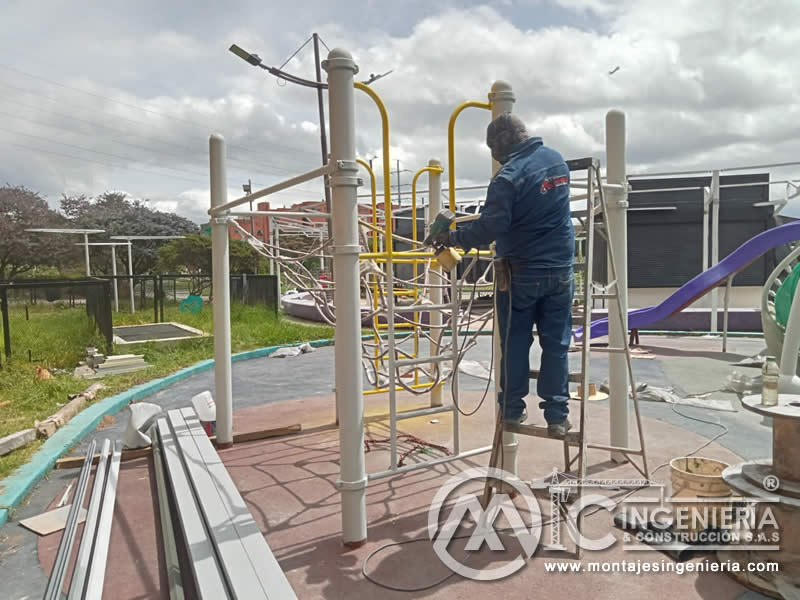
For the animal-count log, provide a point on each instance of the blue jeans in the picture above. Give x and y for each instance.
(540, 297)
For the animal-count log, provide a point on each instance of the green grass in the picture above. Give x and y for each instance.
(58, 338)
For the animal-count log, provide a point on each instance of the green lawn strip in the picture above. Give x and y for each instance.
(30, 399)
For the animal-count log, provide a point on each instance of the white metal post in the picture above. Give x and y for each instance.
(271, 241)
(130, 275)
(114, 273)
(706, 204)
(502, 99)
(86, 254)
(321, 252)
(221, 282)
(278, 253)
(714, 245)
(617, 228)
(347, 351)
(434, 206)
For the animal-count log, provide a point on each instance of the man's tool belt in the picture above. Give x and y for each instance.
(502, 273)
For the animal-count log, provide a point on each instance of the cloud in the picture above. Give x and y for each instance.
(128, 100)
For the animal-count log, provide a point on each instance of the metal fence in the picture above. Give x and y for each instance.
(28, 296)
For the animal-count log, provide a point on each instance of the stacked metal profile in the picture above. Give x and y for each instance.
(88, 575)
(227, 554)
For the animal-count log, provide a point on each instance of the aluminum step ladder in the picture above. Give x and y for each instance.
(596, 205)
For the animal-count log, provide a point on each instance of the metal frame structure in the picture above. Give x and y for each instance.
(342, 171)
(129, 239)
(113, 266)
(84, 232)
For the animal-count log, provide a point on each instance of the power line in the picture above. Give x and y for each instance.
(204, 127)
(99, 162)
(255, 168)
(126, 167)
(252, 163)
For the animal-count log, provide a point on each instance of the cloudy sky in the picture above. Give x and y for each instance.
(122, 95)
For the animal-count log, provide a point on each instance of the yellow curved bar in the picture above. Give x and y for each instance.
(387, 189)
(451, 150)
(365, 164)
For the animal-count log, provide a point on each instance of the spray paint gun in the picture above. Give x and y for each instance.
(445, 255)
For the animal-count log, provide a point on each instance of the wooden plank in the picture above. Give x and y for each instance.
(252, 436)
(51, 521)
(572, 438)
(72, 462)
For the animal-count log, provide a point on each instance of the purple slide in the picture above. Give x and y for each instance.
(705, 281)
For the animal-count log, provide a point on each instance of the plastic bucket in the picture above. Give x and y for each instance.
(695, 477)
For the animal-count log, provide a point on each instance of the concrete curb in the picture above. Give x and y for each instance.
(16, 487)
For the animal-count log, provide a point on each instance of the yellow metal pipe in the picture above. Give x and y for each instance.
(400, 389)
(387, 189)
(375, 231)
(365, 164)
(451, 150)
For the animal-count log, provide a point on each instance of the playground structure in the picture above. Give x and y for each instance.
(394, 352)
(404, 313)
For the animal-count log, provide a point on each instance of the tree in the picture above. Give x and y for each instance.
(191, 255)
(22, 251)
(118, 214)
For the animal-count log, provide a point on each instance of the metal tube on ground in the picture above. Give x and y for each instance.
(97, 568)
(352, 481)
(617, 226)
(56, 580)
(76, 586)
(221, 280)
(167, 529)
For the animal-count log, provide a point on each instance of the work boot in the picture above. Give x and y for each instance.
(559, 429)
(517, 421)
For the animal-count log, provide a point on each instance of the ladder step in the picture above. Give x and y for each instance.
(575, 377)
(605, 296)
(610, 349)
(573, 438)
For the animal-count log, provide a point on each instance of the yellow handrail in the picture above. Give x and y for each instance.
(387, 189)
(365, 164)
(451, 150)
(375, 231)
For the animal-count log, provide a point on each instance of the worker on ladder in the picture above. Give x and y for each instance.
(527, 214)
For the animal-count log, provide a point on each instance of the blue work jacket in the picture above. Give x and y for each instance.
(526, 211)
